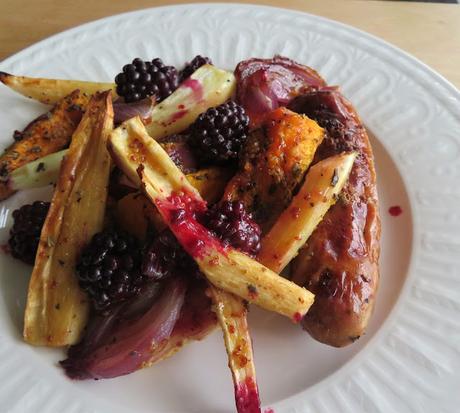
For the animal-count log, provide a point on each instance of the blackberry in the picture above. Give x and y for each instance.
(230, 222)
(165, 257)
(25, 234)
(218, 134)
(109, 268)
(140, 79)
(190, 67)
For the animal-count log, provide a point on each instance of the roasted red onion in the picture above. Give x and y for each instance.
(125, 345)
(123, 111)
(266, 84)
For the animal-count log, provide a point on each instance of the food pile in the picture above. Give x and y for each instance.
(180, 197)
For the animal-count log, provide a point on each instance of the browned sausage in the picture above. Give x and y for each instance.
(339, 263)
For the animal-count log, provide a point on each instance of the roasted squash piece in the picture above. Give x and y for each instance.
(57, 309)
(47, 134)
(275, 159)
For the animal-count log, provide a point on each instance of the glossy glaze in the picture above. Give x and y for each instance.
(339, 264)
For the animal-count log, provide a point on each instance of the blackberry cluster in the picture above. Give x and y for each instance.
(195, 64)
(140, 79)
(230, 222)
(25, 234)
(109, 268)
(218, 134)
(165, 257)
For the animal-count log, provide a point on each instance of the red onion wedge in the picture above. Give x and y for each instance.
(266, 84)
(129, 344)
(124, 111)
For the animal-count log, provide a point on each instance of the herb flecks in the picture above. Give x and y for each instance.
(335, 177)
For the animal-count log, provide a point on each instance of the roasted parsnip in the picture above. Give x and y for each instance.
(232, 316)
(134, 212)
(41, 172)
(226, 268)
(51, 91)
(320, 190)
(57, 309)
(207, 87)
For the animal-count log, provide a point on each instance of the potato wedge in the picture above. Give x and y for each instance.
(322, 185)
(51, 91)
(227, 268)
(207, 87)
(57, 309)
(47, 134)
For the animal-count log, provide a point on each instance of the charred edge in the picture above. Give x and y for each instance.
(4, 77)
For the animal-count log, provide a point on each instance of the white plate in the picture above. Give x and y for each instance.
(409, 361)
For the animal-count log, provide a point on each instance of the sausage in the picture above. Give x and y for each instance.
(339, 263)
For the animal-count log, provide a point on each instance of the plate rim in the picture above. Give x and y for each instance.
(441, 82)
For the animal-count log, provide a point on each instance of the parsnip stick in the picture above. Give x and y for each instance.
(322, 185)
(50, 91)
(232, 316)
(226, 268)
(57, 309)
(207, 87)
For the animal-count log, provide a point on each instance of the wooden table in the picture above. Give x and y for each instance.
(429, 31)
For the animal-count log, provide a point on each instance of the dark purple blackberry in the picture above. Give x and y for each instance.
(25, 234)
(218, 134)
(165, 257)
(190, 67)
(109, 268)
(230, 222)
(140, 79)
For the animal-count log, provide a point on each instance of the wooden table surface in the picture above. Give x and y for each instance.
(429, 31)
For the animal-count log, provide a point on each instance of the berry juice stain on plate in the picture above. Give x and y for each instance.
(395, 211)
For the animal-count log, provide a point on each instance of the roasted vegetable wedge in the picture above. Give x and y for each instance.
(210, 182)
(134, 212)
(47, 134)
(56, 310)
(51, 91)
(169, 190)
(274, 161)
(41, 172)
(207, 87)
(232, 316)
(320, 190)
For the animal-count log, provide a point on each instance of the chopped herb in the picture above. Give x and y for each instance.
(335, 177)
(272, 188)
(252, 289)
(17, 135)
(50, 241)
(57, 306)
(35, 149)
(40, 167)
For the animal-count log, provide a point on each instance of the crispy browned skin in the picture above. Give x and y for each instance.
(339, 263)
(48, 133)
(275, 159)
